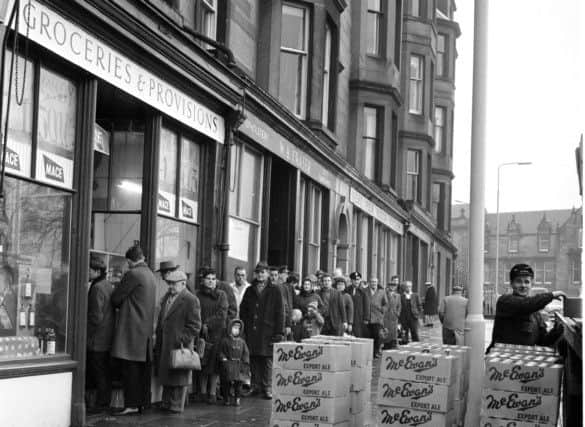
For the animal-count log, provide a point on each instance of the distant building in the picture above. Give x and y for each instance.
(549, 241)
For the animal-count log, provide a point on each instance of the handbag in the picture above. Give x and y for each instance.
(185, 358)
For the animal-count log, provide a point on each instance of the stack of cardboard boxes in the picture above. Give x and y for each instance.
(462, 373)
(521, 386)
(311, 385)
(417, 388)
(361, 376)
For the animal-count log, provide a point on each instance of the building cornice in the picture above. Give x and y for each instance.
(444, 172)
(450, 24)
(416, 135)
(365, 85)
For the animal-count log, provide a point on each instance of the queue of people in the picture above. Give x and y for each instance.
(233, 326)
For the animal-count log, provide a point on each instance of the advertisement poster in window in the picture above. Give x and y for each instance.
(167, 176)
(19, 146)
(239, 232)
(56, 129)
(190, 163)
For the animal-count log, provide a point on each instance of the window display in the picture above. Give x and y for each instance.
(34, 269)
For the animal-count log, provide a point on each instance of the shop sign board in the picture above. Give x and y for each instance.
(188, 210)
(18, 158)
(54, 32)
(366, 205)
(166, 203)
(276, 143)
(101, 139)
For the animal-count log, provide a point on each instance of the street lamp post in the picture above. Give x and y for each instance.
(498, 218)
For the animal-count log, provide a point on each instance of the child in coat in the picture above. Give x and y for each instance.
(235, 363)
(313, 321)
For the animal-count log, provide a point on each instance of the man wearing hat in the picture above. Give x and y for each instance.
(179, 324)
(430, 304)
(452, 314)
(518, 320)
(134, 298)
(166, 267)
(361, 306)
(262, 311)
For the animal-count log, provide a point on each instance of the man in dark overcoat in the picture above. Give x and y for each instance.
(411, 310)
(361, 306)
(100, 329)
(179, 324)
(134, 298)
(262, 311)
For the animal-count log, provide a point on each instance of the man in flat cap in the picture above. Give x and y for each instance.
(262, 311)
(452, 314)
(518, 320)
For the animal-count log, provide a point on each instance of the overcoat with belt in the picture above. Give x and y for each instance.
(263, 317)
(178, 325)
(134, 298)
(392, 315)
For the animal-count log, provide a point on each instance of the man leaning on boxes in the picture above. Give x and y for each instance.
(518, 320)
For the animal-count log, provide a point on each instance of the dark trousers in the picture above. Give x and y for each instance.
(98, 376)
(375, 334)
(261, 367)
(230, 388)
(135, 383)
(410, 325)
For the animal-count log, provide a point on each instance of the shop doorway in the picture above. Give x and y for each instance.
(281, 221)
(117, 179)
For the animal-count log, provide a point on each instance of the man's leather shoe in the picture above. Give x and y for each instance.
(129, 411)
(268, 395)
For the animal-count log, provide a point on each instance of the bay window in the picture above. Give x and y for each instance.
(416, 84)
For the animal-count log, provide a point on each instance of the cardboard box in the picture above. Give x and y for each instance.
(459, 408)
(363, 419)
(525, 376)
(500, 422)
(361, 349)
(289, 423)
(310, 383)
(537, 357)
(518, 406)
(517, 348)
(315, 357)
(420, 367)
(394, 416)
(415, 395)
(358, 401)
(310, 409)
(361, 377)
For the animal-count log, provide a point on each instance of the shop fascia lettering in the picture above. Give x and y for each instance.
(50, 30)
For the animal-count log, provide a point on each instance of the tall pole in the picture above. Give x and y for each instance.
(475, 322)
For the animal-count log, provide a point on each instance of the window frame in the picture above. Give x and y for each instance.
(373, 140)
(329, 98)
(416, 85)
(439, 129)
(544, 237)
(442, 55)
(304, 55)
(208, 8)
(513, 244)
(378, 31)
(415, 175)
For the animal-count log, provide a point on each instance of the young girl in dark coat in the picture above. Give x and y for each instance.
(235, 362)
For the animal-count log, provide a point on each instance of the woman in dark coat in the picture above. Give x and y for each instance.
(179, 323)
(307, 295)
(430, 304)
(340, 285)
(214, 308)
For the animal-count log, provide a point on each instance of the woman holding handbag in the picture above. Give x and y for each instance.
(178, 326)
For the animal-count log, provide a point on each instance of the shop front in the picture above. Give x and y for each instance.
(102, 153)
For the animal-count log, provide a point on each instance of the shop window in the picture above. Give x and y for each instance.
(34, 275)
(117, 184)
(314, 213)
(413, 175)
(439, 129)
(374, 28)
(245, 200)
(183, 181)
(20, 126)
(416, 85)
(442, 57)
(383, 255)
(294, 52)
(363, 249)
(370, 141)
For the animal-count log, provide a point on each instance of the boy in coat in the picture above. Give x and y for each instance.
(235, 361)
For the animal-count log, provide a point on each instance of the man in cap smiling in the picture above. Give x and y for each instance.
(518, 320)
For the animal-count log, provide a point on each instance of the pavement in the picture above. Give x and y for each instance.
(254, 411)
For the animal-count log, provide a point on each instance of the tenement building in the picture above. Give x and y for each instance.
(315, 134)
